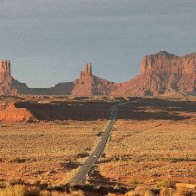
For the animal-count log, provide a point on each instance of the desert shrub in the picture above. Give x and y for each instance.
(34, 191)
(140, 193)
(103, 155)
(45, 193)
(70, 165)
(20, 190)
(168, 183)
(148, 193)
(133, 181)
(82, 155)
(183, 191)
(167, 192)
(17, 190)
(76, 193)
(99, 134)
(57, 193)
(18, 160)
(89, 148)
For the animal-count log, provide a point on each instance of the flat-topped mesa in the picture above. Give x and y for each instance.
(5, 70)
(159, 62)
(163, 74)
(166, 63)
(87, 70)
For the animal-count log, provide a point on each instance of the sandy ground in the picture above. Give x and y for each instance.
(153, 140)
(151, 148)
(45, 152)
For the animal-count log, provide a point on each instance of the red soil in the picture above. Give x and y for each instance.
(12, 114)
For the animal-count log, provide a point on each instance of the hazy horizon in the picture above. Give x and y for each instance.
(49, 41)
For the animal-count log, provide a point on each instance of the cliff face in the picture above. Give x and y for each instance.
(6, 80)
(83, 85)
(88, 84)
(5, 70)
(163, 73)
(165, 63)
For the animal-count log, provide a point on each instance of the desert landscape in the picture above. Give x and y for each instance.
(100, 137)
(153, 140)
(97, 98)
(152, 144)
(46, 153)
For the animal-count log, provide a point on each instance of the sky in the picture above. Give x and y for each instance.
(49, 41)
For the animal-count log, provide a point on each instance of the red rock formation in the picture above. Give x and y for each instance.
(5, 70)
(88, 84)
(6, 79)
(12, 114)
(87, 71)
(163, 73)
(10, 86)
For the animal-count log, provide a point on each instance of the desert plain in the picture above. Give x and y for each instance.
(153, 140)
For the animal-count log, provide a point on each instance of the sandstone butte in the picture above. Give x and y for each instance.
(88, 84)
(160, 74)
(6, 80)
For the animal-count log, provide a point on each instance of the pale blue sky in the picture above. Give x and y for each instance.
(48, 41)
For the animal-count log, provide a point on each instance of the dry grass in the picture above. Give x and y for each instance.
(45, 152)
(153, 144)
(21, 190)
(152, 150)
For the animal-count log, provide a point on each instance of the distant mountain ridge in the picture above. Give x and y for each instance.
(160, 74)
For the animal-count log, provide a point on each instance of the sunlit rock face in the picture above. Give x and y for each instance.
(6, 80)
(5, 70)
(88, 84)
(163, 74)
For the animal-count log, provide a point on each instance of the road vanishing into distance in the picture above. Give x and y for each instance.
(83, 171)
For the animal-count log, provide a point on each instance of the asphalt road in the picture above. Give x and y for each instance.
(88, 164)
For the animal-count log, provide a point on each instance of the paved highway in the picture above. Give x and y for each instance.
(88, 164)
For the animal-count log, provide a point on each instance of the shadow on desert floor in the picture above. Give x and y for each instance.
(137, 109)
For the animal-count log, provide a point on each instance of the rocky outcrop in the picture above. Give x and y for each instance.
(163, 74)
(11, 113)
(88, 84)
(6, 79)
(87, 71)
(83, 85)
(5, 70)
